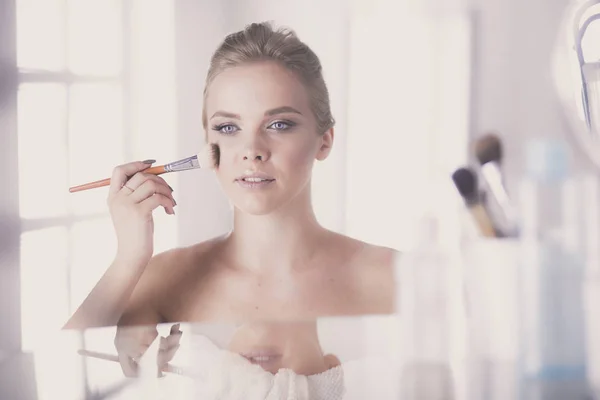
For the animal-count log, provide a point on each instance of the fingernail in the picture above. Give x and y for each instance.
(174, 202)
(149, 161)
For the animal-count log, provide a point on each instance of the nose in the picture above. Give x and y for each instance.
(256, 150)
(253, 155)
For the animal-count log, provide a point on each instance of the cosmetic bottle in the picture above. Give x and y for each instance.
(423, 302)
(551, 351)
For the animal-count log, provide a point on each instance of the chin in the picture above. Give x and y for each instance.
(257, 207)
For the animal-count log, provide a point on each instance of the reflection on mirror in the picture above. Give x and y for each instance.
(586, 36)
(289, 345)
(292, 345)
(328, 359)
(577, 72)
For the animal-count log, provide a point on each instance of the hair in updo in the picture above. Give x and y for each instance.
(260, 42)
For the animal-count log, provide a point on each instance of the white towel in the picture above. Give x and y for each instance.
(223, 375)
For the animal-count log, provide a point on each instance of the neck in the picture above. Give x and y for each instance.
(282, 240)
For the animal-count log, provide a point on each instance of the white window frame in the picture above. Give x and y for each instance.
(12, 226)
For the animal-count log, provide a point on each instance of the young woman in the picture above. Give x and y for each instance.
(266, 106)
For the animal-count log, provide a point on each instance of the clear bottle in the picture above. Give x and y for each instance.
(424, 304)
(552, 360)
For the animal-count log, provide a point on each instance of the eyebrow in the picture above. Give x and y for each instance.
(274, 111)
(282, 110)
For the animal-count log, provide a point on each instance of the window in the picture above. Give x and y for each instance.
(70, 130)
(95, 89)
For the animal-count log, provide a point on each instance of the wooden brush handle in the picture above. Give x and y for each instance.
(101, 356)
(160, 169)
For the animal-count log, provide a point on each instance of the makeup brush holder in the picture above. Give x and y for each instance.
(493, 273)
(591, 293)
(490, 273)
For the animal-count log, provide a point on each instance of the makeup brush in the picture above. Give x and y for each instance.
(466, 183)
(488, 150)
(208, 158)
(112, 357)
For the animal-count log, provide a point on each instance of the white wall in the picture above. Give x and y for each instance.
(408, 117)
(202, 209)
(514, 91)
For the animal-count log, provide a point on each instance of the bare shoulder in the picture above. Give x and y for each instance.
(380, 256)
(373, 267)
(181, 259)
(168, 269)
(367, 254)
(166, 274)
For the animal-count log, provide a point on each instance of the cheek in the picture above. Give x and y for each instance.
(228, 154)
(299, 157)
(226, 168)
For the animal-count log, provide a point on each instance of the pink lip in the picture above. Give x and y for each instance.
(255, 180)
(263, 357)
(254, 185)
(258, 175)
(261, 352)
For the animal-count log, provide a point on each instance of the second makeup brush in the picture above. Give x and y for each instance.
(465, 181)
(488, 150)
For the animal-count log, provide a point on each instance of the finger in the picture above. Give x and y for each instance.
(162, 345)
(155, 201)
(165, 356)
(122, 173)
(175, 329)
(131, 355)
(134, 340)
(174, 339)
(149, 188)
(136, 352)
(164, 182)
(129, 367)
(168, 210)
(141, 177)
(133, 348)
(160, 179)
(148, 335)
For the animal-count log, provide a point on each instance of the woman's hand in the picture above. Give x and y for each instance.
(132, 342)
(133, 196)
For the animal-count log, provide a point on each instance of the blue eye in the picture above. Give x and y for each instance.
(281, 125)
(225, 129)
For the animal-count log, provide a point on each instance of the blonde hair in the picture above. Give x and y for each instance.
(260, 42)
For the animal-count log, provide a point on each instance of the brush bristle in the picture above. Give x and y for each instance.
(488, 148)
(466, 183)
(210, 156)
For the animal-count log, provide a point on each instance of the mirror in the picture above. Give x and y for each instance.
(577, 73)
(329, 358)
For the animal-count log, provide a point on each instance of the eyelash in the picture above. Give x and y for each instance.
(219, 128)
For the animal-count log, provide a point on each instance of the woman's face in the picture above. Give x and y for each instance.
(291, 345)
(259, 114)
